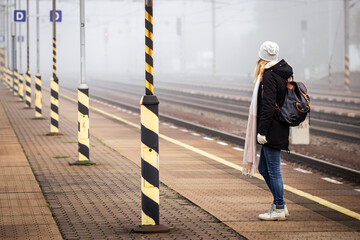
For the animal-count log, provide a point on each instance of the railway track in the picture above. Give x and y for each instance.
(235, 110)
(314, 163)
(322, 124)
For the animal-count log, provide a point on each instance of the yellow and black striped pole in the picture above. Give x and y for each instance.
(150, 222)
(28, 89)
(83, 100)
(21, 87)
(347, 43)
(7, 78)
(2, 64)
(83, 127)
(38, 97)
(347, 72)
(16, 86)
(54, 85)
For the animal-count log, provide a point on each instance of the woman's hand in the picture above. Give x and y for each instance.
(261, 139)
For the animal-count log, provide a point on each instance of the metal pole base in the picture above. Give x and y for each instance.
(38, 118)
(83, 163)
(54, 134)
(151, 229)
(26, 107)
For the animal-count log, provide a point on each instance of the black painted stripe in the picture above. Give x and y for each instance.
(84, 110)
(149, 42)
(148, 92)
(54, 122)
(149, 59)
(150, 208)
(149, 77)
(149, 9)
(84, 150)
(54, 108)
(38, 110)
(28, 84)
(149, 138)
(28, 94)
(38, 87)
(54, 94)
(149, 173)
(27, 102)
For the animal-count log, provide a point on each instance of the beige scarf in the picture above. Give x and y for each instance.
(250, 159)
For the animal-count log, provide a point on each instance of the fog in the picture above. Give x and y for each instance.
(310, 34)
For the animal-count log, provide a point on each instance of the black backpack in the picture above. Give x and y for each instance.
(296, 104)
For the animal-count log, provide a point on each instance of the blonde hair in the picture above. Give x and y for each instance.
(260, 68)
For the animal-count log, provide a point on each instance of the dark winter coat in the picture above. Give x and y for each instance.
(272, 90)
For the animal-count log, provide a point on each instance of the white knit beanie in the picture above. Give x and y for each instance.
(269, 51)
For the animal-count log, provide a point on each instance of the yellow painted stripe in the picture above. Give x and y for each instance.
(235, 166)
(150, 157)
(149, 68)
(149, 51)
(54, 129)
(83, 98)
(149, 119)
(149, 86)
(54, 115)
(146, 220)
(148, 34)
(82, 157)
(151, 192)
(148, 17)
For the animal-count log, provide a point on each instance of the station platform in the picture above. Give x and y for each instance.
(202, 192)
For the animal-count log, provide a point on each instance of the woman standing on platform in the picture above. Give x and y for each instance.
(265, 128)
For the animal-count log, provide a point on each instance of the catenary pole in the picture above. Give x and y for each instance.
(54, 108)
(149, 139)
(38, 93)
(83, 100)
(20, 75)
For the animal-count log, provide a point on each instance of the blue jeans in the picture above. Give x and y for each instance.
(269, 168)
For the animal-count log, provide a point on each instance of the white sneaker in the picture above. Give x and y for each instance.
(286, 211)
(285, 208)
(273, 215)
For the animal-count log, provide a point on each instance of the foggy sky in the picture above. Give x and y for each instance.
(183, 37)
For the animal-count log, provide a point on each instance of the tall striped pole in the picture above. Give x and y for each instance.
(347, 39)
(2, 64)
(28, 73)
(54, 85)
(83, 101)
(21, 87)
(38, 93)
(38, 97)
(150, 222)
(28, 89)
(16, 85)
